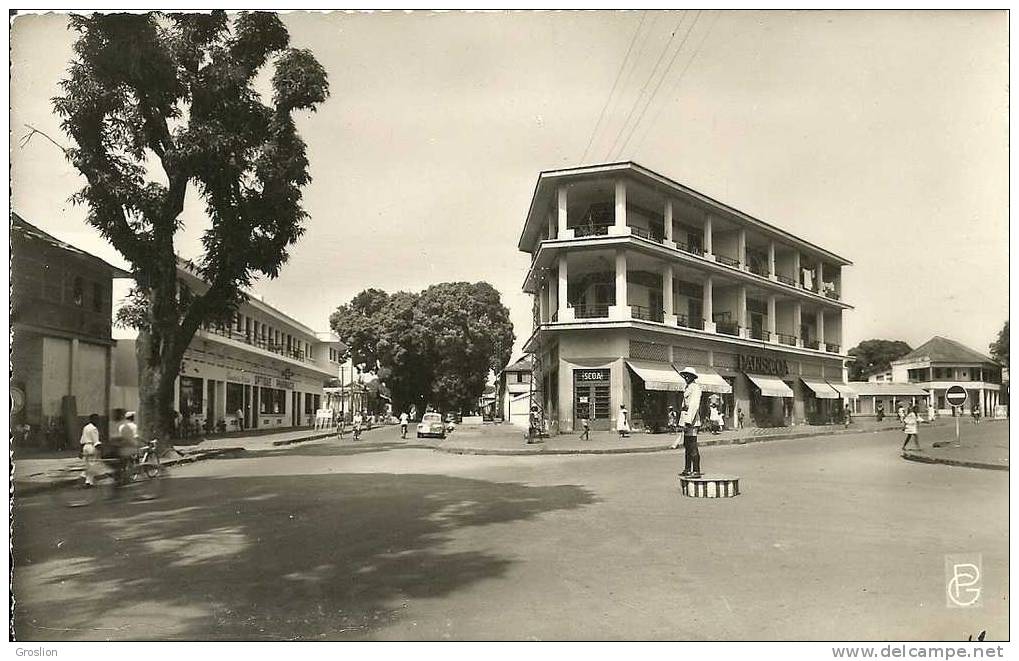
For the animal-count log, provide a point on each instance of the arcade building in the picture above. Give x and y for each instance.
(635, 276)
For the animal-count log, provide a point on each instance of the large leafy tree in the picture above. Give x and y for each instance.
(999, 348)
(358, 325)
(438, 346)
(874, 356)
(156, 104)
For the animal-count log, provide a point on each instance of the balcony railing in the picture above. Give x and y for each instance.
(786, 280)
(812, 344)
(789, 340)
(728, 261)
(757, 269)
(727, 327)
(834, 348)
(590, 311)
(685, 321)
(279, 348)
(760, 334)
(693, 250)
(645, 234)
(647, 314)
(831, 293)
(581, 231)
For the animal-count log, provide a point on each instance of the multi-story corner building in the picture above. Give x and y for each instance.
(940, 363)
(634, 275)
(263, 370)
(61, 346)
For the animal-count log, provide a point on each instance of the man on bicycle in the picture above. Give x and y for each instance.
(127, 447)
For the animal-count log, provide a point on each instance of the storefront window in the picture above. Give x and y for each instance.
(234, 398)
(191, 399)
(272, 401)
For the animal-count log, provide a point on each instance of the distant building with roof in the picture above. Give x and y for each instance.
(61, 305)
(514, 388)
(941, 362)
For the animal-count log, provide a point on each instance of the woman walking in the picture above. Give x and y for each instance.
(910, 423)
(624, 422)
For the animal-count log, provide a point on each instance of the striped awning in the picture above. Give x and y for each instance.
(710, 380)
(821, 388)
(657, 376)
(771, 386)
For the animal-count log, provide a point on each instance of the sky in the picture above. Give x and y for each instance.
(880, 136)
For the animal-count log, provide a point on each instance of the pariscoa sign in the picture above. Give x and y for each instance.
(763, 365)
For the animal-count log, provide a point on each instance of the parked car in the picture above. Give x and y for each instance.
(431, 425)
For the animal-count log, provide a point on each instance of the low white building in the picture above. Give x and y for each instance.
(514, 390)
(940, 363)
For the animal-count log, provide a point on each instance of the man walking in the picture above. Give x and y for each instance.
(690, 420)
(673, 420)
(90, 450)
(403, 424)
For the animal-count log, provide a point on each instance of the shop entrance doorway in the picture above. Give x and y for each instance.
(591, 398)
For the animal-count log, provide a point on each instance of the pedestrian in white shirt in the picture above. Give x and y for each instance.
(404, 420)
(90, 449)
(910, 424)
(690, 420)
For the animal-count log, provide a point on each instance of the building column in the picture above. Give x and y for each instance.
(798, 322)
(708, 305)
(621, 310)
(820, 330)
(741, 312)
(709, 248)
(668, 225)
(797, 274)
(553, 227)
(741, 247)
(669, 317)
(553, 299)
(565, 311)
(772, 275)
(772, 337)
(620, 228)
(543, 302)
(562, 214)
(817, 276)
(982, 401)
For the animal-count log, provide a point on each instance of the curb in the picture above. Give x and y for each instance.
(31, 487)
(710, 442)
(910, 456)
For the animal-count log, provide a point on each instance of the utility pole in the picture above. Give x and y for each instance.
(536, 408)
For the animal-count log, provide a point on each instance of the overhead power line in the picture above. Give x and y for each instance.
(615, 84)
(676, 85)
(658, 86)
(643, 89)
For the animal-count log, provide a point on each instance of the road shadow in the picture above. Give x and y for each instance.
(307, 557)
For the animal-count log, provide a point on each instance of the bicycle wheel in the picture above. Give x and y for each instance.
(81, 495)
(151, 467)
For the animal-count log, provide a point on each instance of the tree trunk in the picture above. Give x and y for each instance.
(155, 392)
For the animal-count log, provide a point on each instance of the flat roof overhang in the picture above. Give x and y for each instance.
(545, 188)
(731, 341)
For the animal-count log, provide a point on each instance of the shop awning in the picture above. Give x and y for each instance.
(843, 389)
(821, 388)
(771, 386)
(867, 389)
(710, 380)
(657, 376)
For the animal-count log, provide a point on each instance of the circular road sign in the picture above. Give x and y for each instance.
(955, 395)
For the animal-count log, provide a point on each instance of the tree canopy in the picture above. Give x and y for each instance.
(157, 103)
(438, 346)
(875, 356)
(999, 348)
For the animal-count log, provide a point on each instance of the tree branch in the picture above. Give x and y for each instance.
(23, 142)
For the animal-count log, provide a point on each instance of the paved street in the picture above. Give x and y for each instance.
(833, 538)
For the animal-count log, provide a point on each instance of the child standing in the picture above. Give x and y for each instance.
(910, 422)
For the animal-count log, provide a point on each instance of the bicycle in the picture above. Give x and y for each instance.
(137, 476)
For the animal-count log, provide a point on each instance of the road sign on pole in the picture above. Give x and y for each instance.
(956, 396)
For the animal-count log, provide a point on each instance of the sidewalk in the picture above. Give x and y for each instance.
(982, 446)
(505, 439)
(33, 474)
